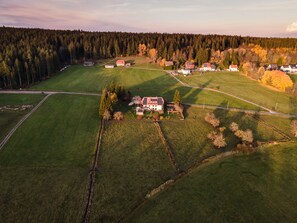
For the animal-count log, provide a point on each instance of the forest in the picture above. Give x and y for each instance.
(28, 55)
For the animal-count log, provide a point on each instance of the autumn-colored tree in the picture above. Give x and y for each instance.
(162, 62)
(153, 54)
(218, 139)
(261, 72)
(277, 79)
(211, 119)
(141, 49)
(106, 115)
(294, 127)
(118, 116)
(233, 127)
(245, 136)
(261, 52)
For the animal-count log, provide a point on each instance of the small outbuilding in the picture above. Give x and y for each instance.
(120, 63)
(109, 66)
(233, 67)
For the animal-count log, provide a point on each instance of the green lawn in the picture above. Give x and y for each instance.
(10, 118)
(132, 162)
(44, 166)
(247, 188)
(241, 86)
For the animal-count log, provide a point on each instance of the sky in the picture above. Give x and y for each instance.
(267, 18)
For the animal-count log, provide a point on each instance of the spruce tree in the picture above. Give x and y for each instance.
(177, 98)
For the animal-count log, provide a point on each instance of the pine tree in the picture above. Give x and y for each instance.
(177, 98)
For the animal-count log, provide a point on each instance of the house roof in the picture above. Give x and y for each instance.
(233, 66)
(206, 65)
(120, 62)
(168, 63)
(153, 101)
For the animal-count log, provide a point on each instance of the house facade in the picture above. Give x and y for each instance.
(153, 103)
(109, 66)
(292, 68)
(233, 67)
(189, 65)
(184, 72)
(272, 67)
(208, 67)
(120, 63)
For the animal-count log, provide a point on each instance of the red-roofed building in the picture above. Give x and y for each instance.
(208, 67)
(189, 65)
(233, 67)
(120, 63)
(153, 103)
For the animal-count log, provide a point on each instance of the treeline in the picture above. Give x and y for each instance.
(31, 55)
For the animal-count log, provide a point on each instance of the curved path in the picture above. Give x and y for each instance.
(222, 92)
(48, 94)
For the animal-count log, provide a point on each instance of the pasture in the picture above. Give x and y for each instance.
(9, 118)
(137, 80)
(256, 188)
(246, 88)
(44, 166)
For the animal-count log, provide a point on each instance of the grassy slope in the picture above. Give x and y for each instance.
(234, 83)
(143, 82)
(248, 188)
(44, 167)
(9, 118)
(132, 162)
(188, 138)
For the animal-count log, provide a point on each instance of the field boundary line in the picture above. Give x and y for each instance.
(8, 136)
(168, 150)
(92, 175)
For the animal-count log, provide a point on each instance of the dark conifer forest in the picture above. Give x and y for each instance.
(31, 55)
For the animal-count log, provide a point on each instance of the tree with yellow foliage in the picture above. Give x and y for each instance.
(153, 54)
(261, 52)
(141, 49)
(277, 79)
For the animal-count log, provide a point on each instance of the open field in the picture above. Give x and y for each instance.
(9, 118)
(44, 166)
(140, 82)
(241, 86)
(190, 144)
(132, 162)
(246, 188)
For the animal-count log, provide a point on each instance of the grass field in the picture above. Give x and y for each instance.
(246, 188)
(9, 118)
(44, 166)
(188, 138)
(140, 82)
(241, 86)
(132, 162)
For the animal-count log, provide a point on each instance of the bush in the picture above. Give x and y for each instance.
(277, 79)
(211, 119)
(118, 116)
(218, 139)
(106, 115)
(245, 136)
(233, 127)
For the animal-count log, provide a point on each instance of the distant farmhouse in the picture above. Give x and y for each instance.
(120, 63)
(109, 66)
(189, 65)
(153, 103)
(168, 65)
(233, 67)
(184, 72)
(208, 67)
(272, 67)
(292, 68)
(88, 63)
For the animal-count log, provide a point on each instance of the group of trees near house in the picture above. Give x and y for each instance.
(277, 79)
(31, 55)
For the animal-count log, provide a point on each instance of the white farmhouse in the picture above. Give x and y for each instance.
(233, 67)
(184, 72)
(153, 103)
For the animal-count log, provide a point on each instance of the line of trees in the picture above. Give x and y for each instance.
(31, 55)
